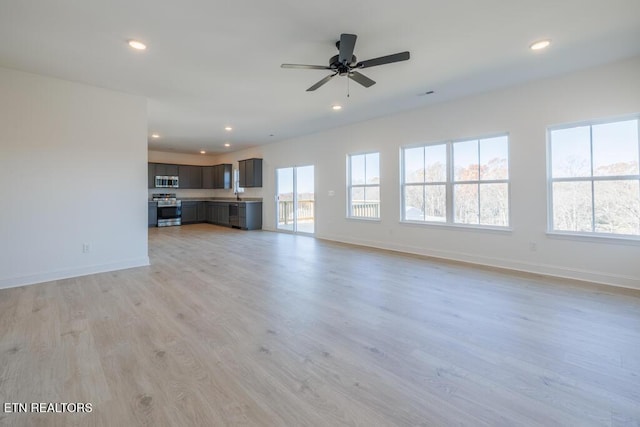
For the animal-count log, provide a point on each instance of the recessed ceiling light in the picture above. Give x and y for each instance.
(227, 144)
(137, 45)
(337, 107)
(203, 152)
(541, 44)
(228, 128)
(155, 135)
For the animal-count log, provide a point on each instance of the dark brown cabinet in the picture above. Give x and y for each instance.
(250, 171)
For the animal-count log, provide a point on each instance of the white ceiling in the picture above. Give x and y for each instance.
(216, 63)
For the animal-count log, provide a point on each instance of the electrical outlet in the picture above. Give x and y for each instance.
(86, 248)
(533, 246)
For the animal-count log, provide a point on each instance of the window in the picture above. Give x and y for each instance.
(481, 181)
(462, 182)
(364, 185)
(594, 180)
(425, 183)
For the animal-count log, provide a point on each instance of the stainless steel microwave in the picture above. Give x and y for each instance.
(167, 182)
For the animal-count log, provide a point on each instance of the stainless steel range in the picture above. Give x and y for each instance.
(169, 209)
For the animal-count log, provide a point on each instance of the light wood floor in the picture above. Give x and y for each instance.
(233, 327)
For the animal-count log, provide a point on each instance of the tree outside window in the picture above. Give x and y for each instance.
(594, 181)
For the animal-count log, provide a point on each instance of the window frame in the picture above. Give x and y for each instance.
(450, 184)
(591, 179)
(351, 186)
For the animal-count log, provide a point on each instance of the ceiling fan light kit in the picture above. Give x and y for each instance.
(345, 63)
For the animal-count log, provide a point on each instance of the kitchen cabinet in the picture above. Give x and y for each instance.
(190, 176)
(207, 177)
(211, 213)
(202, 211)
(222, 176)
(163, 169)
(217, 176)
(250, 171)
(151, 168)
(153, 214)
(250, 216)
(218, 213)
(222, 213)
(189, 212)
(249, 213)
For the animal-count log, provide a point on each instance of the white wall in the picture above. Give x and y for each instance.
(73, 171)
(524, 112)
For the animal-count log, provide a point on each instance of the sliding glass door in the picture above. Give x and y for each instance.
(296, 199)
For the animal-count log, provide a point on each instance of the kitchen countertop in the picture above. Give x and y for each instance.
(215, 199)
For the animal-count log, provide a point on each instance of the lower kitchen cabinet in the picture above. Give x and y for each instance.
(202, 211)
(250, 216)
(153, 214)
(218, 213)
(189, 212)
(223, 213)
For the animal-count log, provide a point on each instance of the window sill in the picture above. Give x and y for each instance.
(480, 228)
(362, 218)
(595, 238)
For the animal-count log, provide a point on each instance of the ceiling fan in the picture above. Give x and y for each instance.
(345, 63)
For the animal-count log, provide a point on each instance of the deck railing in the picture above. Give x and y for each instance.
(365, 209)
(306, 210)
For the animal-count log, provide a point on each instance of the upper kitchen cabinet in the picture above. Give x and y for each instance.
(250, 173)
(190, 176)
(222, 176)
(152, 174)
(218, 176)
(207, 177)
(163, 169)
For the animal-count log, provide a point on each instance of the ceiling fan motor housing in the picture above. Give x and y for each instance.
(342, 69)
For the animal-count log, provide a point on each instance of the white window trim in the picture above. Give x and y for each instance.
(593, 236)
(350, 186)
(449, 184)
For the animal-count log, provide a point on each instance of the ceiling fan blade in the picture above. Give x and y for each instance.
(396, 57)
(306, 67)
(361, 78)
(347, 44)
(321, 82)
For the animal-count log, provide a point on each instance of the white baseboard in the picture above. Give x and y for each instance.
(73, 272)
(545, 269)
